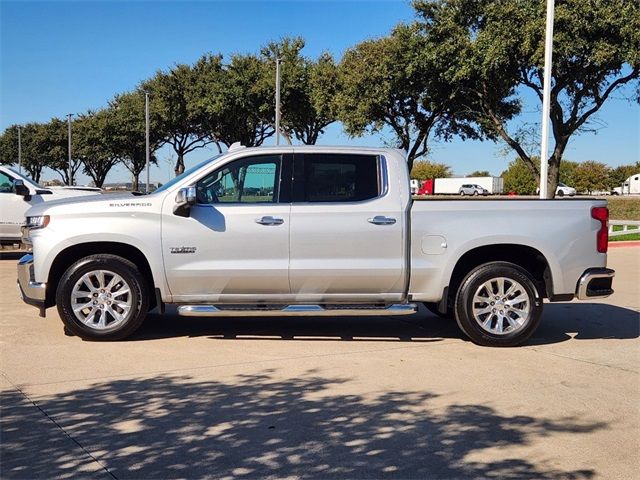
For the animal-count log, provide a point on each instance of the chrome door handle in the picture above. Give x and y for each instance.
(381, 220)
(269, 220)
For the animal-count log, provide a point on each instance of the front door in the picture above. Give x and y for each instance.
(234, 246)
(346, 230)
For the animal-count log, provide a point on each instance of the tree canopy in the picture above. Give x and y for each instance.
(496, 49)
(424, 170)
(397, 82)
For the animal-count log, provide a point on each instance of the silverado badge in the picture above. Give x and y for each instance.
(182, 249)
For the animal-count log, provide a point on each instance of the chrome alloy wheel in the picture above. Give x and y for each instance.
(501, 306)
(101, 299)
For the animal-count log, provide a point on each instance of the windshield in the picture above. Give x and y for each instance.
(25, 178)
(186, 173)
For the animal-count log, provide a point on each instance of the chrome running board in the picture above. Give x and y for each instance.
(295, 310)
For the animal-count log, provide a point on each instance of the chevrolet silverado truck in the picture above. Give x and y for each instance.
(311, 231)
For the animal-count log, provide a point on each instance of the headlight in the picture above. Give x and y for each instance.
(41, 221)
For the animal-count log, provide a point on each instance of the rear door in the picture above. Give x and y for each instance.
(346, 230)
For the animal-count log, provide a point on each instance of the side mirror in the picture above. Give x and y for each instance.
(185, 198)
(21, 189)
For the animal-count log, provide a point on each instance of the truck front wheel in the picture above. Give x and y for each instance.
(102, 297)
(498, 305)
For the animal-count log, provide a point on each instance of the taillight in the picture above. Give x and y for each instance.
(602, 237)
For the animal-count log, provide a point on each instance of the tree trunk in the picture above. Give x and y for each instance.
(34, 173)
(64, 175)
(100, 178)
(135, 182)
(553, 176)
(179, 164)
(554, 165)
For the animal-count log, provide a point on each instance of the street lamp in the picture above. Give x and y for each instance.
(147, 147)
(544, 143)
(69, 115)
(19, 149)
(278, 60)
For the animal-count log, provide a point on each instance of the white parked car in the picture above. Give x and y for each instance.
(310, 231)
(18, 193)
(562, 190)
(472, 189)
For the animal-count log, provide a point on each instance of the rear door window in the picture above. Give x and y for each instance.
(323, 178)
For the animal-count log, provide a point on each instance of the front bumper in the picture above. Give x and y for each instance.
(595, 283)
(32, 293)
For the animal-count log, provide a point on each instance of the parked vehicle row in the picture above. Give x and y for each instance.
(310, 230)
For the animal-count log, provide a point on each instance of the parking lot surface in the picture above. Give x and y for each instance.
(404, 397)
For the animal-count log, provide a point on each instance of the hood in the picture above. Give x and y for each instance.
(80, 202)
(60, 192)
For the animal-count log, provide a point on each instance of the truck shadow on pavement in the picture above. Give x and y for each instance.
(560, 322)
(259, 425)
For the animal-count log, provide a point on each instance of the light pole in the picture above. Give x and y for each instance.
(19, 149)
(278, 100)
(69, 115)
(146, 133)
(544, 142)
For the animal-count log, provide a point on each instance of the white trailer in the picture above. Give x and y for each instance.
(631, 186)
(451, 186)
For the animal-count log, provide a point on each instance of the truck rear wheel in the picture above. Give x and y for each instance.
(498, 305)
(102, 297)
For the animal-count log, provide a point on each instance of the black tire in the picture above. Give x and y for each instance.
(462, 193)
(560, 193)
(137, 295)
(433, 308)
(475, 193)
(464, 305)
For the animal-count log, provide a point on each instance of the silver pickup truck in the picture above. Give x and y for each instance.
(311, 231)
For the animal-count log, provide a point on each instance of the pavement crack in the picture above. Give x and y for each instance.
(59, 427)
(582, 360)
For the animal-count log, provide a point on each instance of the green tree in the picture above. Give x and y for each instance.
(94, 144)
(125, 132)
(9, 145)
(180, 119)
(591, 176)
(398, 82)
(618, 175)
(245, 102)
(497, 49)
(53, 149)
(480, 173)
(308, 88)
(32, 163)
(518, 178)
(423, 170)
(567, 171)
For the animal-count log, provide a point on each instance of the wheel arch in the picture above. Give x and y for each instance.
(67, 257)
(526, 257)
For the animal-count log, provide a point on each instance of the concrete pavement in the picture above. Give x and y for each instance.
(402, 397)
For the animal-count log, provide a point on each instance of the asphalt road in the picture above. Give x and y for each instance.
(324, 398)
